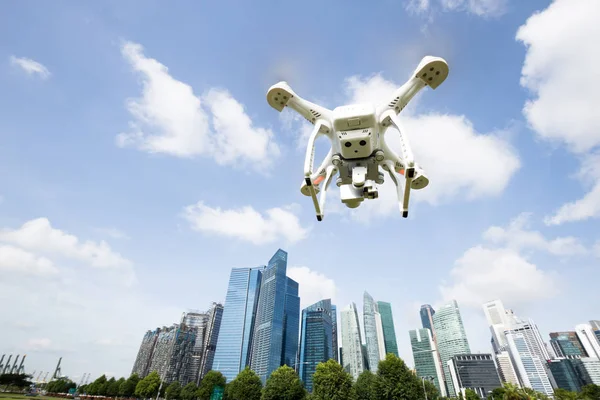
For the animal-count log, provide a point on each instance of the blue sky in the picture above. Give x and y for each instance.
(140, 162)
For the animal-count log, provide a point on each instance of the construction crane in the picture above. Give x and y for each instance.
(5, 370)
(57, 371)
(21, 369)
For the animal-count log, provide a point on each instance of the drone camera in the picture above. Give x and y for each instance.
(358, 143)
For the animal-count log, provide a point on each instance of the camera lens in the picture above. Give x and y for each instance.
(348, 144)
(362, 142)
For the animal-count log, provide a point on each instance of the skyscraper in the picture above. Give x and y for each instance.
(210, 339)
(565, 374)
(427, 312)
(506, 369)
(173, 353)
(335, 333)
(498, 321)
(232, 353)
(451, 337)
(426, 358)
(197, 321)
(143, 360)
(277, 318)
(316, 339)
(567, 344)
(531, 369)
(352, 351)
(588, 339)
(373, 332)
(389, 332)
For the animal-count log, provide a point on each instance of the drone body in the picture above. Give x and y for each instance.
(358, 146)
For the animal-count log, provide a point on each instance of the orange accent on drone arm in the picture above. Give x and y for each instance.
(319, 179)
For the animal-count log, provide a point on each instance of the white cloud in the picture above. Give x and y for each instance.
(588, 206)
(461, 163)
(14, 259)
(482, 8)
(517, 236)
(597, 248)
(245, 223)
(482, 274)
(313, 285)
(38, 235)
(30, 66)
(558, 73)
(38, 344)
(169, 118)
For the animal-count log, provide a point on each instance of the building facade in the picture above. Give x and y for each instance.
(588, 370)
(210, 339)
(427, 312)
(352, 355)
(531, 369)
(275, 340)
(172, 356)
(567, 344)
(389, 331)
(506, 369)
(451, 337)
(425, 358)
(565, 374)
(373, 332)
(316, 339)
(141, 366)
(233, 350)
(335, 333)
(473, 371)
(198, 321)
(588, 339)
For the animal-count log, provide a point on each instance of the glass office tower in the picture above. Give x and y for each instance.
(334, 332)
(353, 355)
(566, 344)
(389, 332)
(234, 341)
(275, 338)
(427, 312)
(316, 339)
(373, 332)
(451, 337)
(426, 358)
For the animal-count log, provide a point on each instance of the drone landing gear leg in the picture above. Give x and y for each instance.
(402, 197)
(309, 164)
(331, 170)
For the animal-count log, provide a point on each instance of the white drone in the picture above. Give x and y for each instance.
(358, 147)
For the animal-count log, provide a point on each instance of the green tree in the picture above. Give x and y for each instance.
(590, 392)
(17, 380)
(395, 381)
(246, 386)
(471, 395)
(365, 386)
(498, 393)
(513, 392)
(98, 387)
(283, 384)
(127, 387)
(148, 387)
(173, 391)
(331, 382)
(112, 387)
(208, 383)
(562, 394)
(189, 391)
(431, 390)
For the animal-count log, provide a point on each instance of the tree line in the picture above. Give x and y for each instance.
(392, 381)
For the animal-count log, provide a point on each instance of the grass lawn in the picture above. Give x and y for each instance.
(15, 396)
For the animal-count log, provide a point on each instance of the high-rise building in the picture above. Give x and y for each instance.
(588, 369)
(533, 372)
(144, 356)
(173, 354)
(198, 321)
(506, 369)
(334, 333)
(316, 339)
(451, 337)
(234, 342)
(427, 312)
(473, 371)
(595, 324)
(565, 374)
(588, 339)
(352, 350)
(498, 321)
(211, 337)
(567, 344)
(373, 332)
(425, 358)
(389, 332)
(276, 329)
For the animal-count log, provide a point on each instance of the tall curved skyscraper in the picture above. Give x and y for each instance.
(373, 332)
(352, 352)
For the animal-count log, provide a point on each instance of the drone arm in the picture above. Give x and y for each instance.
(403, 198)
(389, 117)
(281, 95)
